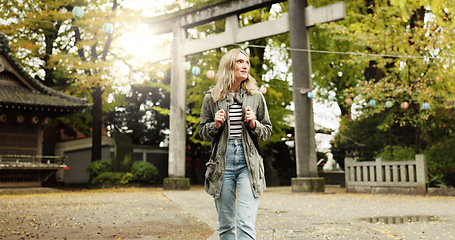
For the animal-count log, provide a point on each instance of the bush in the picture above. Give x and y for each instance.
(112, 179)
(441, 162)
(96, 168)
(400, 153)
(144, 172)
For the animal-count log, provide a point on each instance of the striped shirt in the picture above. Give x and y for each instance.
(235, 120)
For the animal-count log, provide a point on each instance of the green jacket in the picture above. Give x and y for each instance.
(208, 132)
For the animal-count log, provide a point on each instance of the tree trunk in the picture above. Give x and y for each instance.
(96, 127)
(417, 140)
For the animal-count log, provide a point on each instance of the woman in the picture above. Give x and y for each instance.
(234, 117)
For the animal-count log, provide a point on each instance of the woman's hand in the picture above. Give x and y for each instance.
(219, 118)
(250, 116)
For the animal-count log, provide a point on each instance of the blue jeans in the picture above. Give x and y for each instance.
(237, 207)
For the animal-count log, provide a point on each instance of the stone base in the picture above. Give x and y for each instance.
(307, 184)
(176, 184)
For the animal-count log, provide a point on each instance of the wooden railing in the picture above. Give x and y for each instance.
(31, 161)
(408, 177)
(28, 170)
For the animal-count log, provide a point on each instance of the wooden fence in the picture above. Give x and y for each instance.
(406, 177)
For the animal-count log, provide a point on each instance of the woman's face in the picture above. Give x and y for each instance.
(241, 67)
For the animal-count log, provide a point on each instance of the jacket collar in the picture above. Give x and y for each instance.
(238, 97)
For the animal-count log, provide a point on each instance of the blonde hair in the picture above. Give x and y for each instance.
(225, 77)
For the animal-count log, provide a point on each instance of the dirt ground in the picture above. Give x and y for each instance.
(127, 213)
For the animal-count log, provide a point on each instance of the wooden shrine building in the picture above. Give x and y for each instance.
(26, 105)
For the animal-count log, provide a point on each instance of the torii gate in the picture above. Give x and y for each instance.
(299, 18)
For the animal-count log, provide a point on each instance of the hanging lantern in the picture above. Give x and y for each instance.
(78, 12)
(310, 94)
(46, 120)
(196, 70)
(20, 118)
(210, 74)
(35, 120)
(348, 101)
(3, 118)
(108, 28)
(372, 102)
(186, 66)
(263, 89)
(388, 104)
(405, 105)
(425, 106)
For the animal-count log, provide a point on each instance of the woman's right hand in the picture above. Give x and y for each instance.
(219, 118)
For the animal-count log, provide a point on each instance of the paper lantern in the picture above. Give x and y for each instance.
(425, 106)
(108, 28)
(310, 94)
(372, 102)
(186, 66)
(35, 120)
(210, 74)
(3, 118)
(388, 104)
(263, 89)
(196, 70)
(20, 118)
(46, 120)
(78, 12)
(348, 101)
(405, 105)
(66, 168)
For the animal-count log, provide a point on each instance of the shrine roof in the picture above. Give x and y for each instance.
(19, 97)
(19, 90)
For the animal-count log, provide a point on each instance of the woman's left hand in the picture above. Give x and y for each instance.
(250, 116)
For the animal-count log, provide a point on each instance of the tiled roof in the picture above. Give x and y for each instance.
(21, 96)
(25, 91)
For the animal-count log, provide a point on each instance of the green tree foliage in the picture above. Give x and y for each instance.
(136, 115)
(66, 53)
(265, 54)
(71, 55)
(278, 95)
(335, 73)
(400, 52)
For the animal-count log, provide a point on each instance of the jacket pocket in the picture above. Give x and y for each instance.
(213, 171)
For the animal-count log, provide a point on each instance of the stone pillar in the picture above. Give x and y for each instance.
(421, 174)
(307, 179)
(176, 179)
(123, 152)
